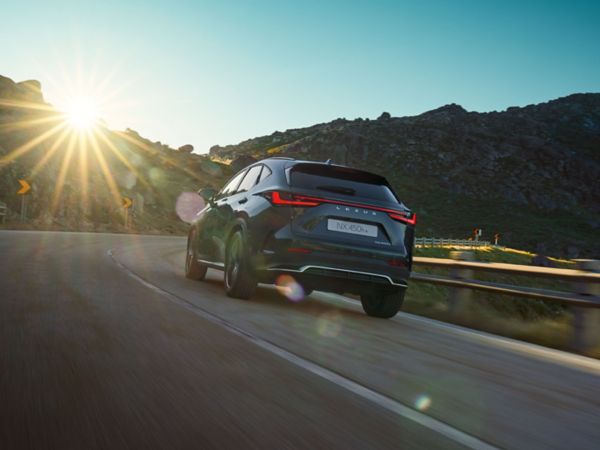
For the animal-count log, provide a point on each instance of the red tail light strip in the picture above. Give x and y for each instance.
(303, 200)
(299, 250)
(277, 200)
(411, 221)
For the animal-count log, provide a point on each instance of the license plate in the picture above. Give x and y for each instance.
(342, 226)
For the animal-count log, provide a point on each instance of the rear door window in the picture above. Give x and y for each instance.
(250, 179)
(230, 187)
(341, 181)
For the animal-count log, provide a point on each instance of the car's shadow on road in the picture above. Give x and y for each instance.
(268, 296)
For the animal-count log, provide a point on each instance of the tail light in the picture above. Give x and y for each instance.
(280, 198)
(299, 250)
(287, 199)
(407, 218)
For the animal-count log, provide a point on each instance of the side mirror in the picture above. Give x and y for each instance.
(207, 194)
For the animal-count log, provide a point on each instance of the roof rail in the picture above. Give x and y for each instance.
(282, 157)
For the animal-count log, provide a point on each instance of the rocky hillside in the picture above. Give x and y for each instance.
(531, 174)
(78, 180)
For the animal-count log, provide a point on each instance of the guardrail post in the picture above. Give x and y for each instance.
(586, 321)
(460, 297)
(3, 211)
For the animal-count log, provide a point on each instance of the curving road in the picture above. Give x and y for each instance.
(104, 344)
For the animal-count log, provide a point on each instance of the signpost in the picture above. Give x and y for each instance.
(25, 187)
(127, 203)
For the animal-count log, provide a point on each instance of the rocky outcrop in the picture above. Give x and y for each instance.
(187, 148)
(25, 91)
(31, 90)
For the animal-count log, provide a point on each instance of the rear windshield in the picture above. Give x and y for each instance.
(341, 181)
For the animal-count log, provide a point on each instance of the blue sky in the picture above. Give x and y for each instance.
(220, 72)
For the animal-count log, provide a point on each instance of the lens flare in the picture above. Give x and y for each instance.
(422, 402)
(127, 180)
(289, 288)
(157, 176)
(188, 205)
(329, 324)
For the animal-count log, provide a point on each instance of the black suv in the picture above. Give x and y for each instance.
(332, 228)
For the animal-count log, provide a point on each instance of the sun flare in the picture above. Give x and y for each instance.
(82, 113)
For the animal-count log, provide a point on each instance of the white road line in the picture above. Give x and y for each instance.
(387, 403)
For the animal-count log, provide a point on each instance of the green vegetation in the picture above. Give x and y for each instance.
(448, 215)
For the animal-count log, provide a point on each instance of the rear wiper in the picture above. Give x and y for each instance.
(338, 189)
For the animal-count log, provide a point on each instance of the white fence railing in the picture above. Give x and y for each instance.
(583, 297)
(440, 242)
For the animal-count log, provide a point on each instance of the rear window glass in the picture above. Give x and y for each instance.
(341, 181)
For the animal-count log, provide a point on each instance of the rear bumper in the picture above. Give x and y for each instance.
(322, 266)
(344, 274)
(335, 280)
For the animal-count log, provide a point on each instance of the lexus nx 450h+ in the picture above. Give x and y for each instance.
(330, 227)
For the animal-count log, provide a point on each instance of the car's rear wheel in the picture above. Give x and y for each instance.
(380, 304)
(240, 279)
(193, 269)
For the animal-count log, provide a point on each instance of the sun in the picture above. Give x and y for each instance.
(82, 113)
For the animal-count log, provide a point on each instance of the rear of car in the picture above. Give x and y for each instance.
(346, 231)
(316, 226)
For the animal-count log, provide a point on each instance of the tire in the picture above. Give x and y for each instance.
(385, 306)
(240, 279)
(193, 269)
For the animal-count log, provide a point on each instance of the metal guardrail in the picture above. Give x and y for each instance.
(440, 242)
(584, 297)
(3, 211)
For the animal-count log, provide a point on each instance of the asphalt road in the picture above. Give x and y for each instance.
(104, 344)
